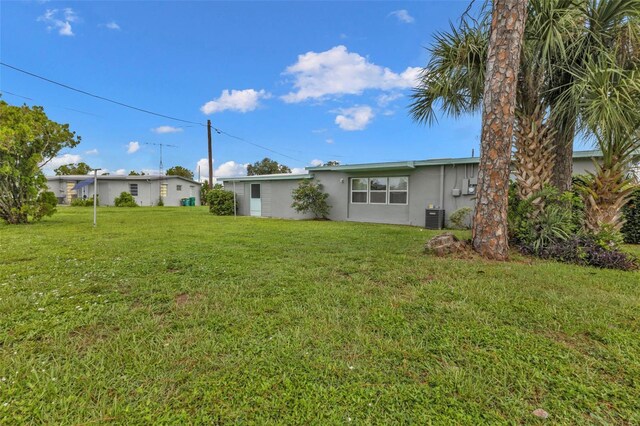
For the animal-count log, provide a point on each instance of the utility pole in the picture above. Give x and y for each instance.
(95, 195)
(210, 154)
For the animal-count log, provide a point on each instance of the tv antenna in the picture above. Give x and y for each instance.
(161, 169)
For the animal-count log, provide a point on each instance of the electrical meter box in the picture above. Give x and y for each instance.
(469, 186)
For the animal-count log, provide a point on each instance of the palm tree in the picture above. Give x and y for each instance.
(560, 39)
(490, 236)
(610, 98)
(597, 29)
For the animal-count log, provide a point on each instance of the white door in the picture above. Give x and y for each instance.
(255, 205)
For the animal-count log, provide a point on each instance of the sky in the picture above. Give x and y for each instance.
(309, 81)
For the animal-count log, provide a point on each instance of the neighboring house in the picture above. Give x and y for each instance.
(396, 192)
(145, 189)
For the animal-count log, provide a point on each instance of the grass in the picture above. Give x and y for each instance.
(171, 315)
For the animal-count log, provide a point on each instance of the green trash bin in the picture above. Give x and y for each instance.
(183, 202)
(192, 201)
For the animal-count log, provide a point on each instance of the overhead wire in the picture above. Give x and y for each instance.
(146, 111)
(93, 95)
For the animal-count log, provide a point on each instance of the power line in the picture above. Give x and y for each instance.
(255, 144)
(219, 131)
(53, 105)
(98, 96)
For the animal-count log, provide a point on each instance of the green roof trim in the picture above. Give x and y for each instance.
(283, 176)
(407, 165)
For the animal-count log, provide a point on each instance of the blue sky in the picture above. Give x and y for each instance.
(315, 81)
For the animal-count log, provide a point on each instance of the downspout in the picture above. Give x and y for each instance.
(442, 186)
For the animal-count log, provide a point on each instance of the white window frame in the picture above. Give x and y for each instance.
(368, 191)
(378, 191)
(389, 191)
(351, 191)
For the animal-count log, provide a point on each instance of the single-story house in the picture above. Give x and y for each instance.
(145, 189)
(393, 192)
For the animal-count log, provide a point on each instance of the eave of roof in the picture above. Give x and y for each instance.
(280, 176)
(407, 165)
(117, 177)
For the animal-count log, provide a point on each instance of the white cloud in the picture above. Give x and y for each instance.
(316, 163)
(112, 25)
(92, 152)
(355, 118)
(235, 100)
(385, 99)
(60, 20)
(120, 172)
(338, 72)
(330, 141)
(56, 162)
(228, 169)
(403, 16)
(166, 129)
(132, 147)
(299, 171)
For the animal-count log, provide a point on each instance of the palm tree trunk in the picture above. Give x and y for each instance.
(534, 157)
(490, 237)
(563, 165)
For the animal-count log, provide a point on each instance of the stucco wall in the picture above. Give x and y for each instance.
(148, 190)
(426, 187)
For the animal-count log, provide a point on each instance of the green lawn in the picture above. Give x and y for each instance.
(171, 315)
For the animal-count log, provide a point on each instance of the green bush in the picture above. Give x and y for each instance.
(45, 205)
(460, 219)
(160, 202)
(559, 219)
(309, 198)
(87, 202)
(220, 202)
(631, 228)
(125, 200)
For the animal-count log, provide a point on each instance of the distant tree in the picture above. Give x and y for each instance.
(134, 173)
(266, 167)
(309, 198)
(180, 171)
(73, 169)
(28, 141)
(331, 163)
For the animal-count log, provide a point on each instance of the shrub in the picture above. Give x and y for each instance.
(160, 202)
(460, 218)
(587, 251)
(125, 200)
(554, 219)
(631, 228)
(45, 205)
(309, 198)
(220, 202)
(85, 202)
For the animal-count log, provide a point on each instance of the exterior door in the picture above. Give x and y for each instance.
(255, 205)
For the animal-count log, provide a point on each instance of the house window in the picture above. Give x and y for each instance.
(359, 190)
(178, 187)
(163, 189)
(133, 189)
(380, 190)
(398, 190)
